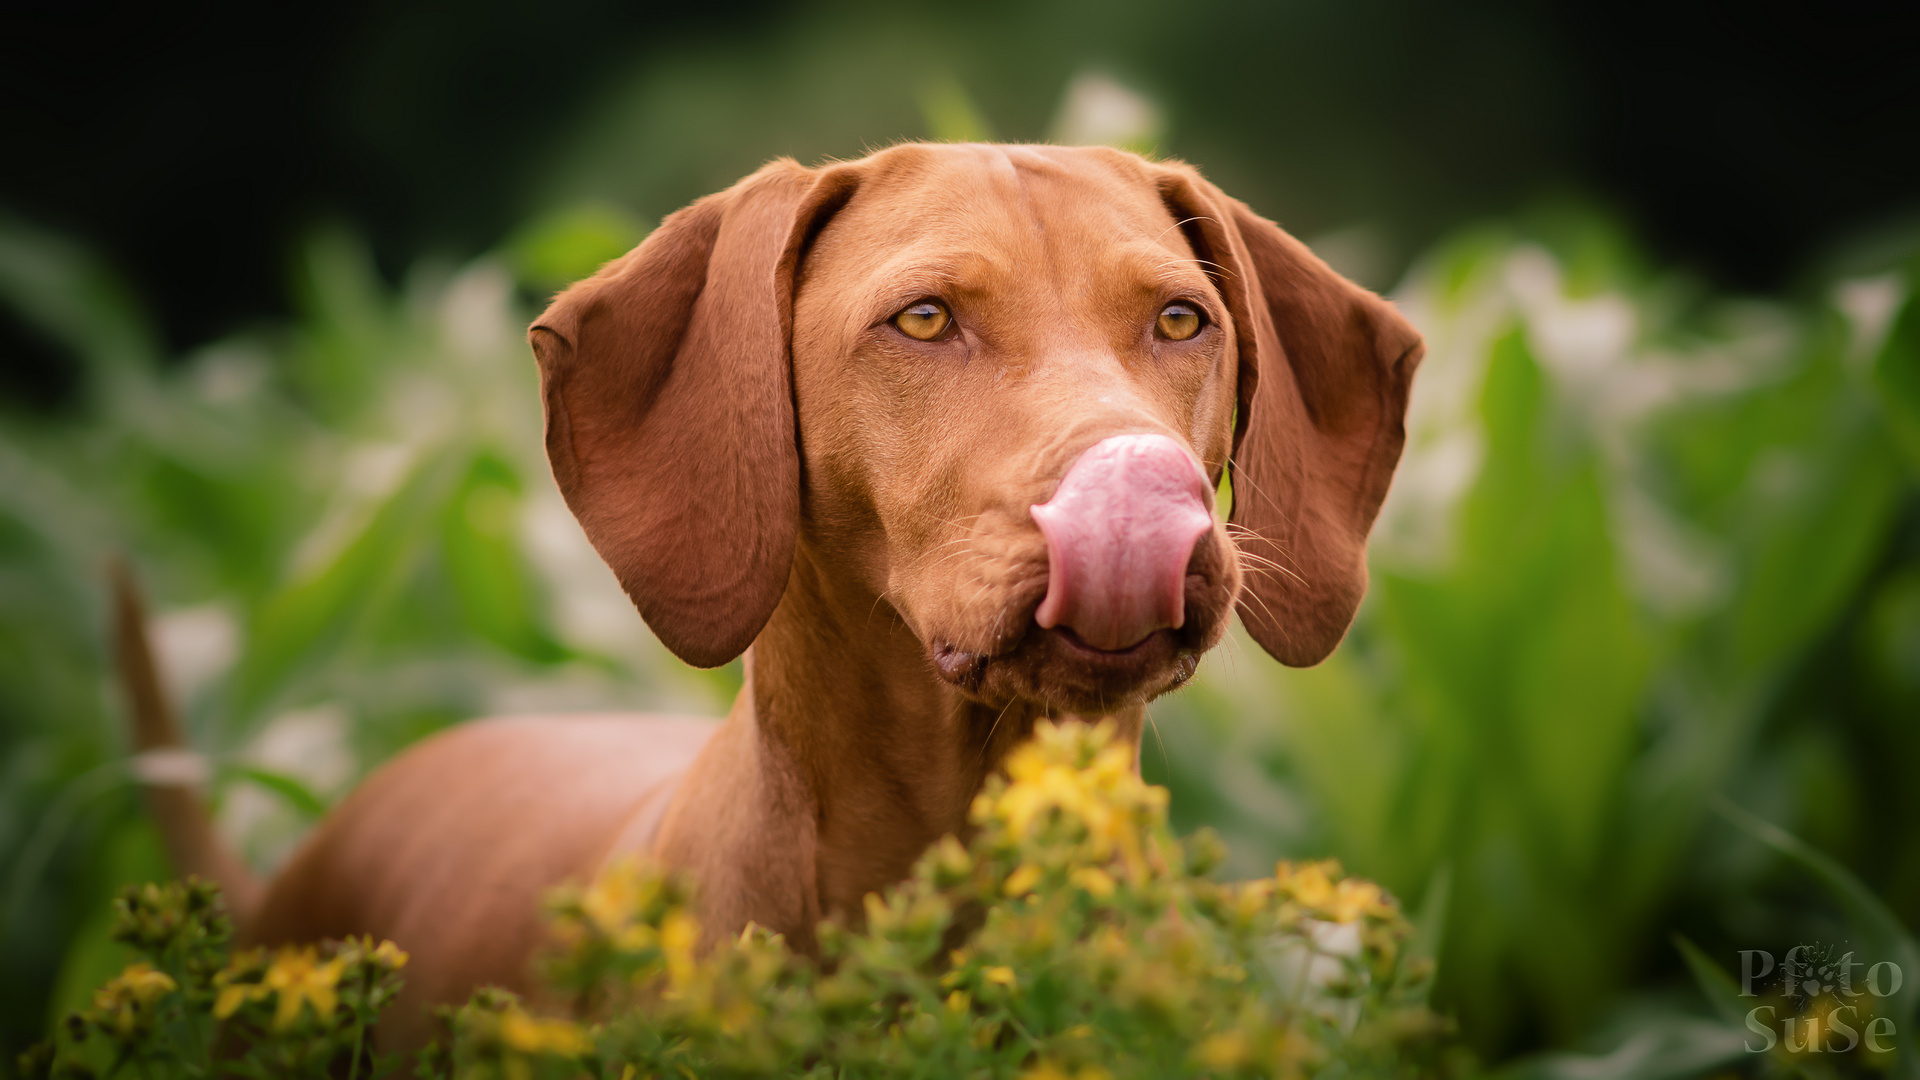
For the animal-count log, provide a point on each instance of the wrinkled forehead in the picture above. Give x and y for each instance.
(1003, 217)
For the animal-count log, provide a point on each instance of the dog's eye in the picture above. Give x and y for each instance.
(1178, 322)
(924, 321)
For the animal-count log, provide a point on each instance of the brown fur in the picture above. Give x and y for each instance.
(763, 460)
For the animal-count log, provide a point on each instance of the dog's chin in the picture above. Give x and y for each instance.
(1060, 673)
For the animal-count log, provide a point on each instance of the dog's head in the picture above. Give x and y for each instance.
(993, 388)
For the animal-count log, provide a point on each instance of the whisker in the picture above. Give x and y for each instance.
(1177, 261)
(987, 746)
(1238, 532)
(1240, 476)
(1166, 763)
(876, 605)
(1262, 564)
(948, 557)
(955, 523)
(1268, 611)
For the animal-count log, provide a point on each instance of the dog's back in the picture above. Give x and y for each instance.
(449, 848)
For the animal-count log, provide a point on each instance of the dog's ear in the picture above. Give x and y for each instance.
(1324, 372)
(668, 385)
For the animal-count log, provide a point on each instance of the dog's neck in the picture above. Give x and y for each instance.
(843, 758)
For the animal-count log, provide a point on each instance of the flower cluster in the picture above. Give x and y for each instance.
(190, 1003)
(129, 1004)
(303, 985)
(1072, 937)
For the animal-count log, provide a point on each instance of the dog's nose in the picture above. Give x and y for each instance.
(1120, 532)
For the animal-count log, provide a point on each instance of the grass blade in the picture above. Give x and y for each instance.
(1718, 986)
(1676, 1048)
(1882, 937)
(291, 791)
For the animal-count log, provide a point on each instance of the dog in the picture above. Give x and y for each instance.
(934, 439)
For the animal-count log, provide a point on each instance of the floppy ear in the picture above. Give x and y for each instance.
(1324, 371)
(667, 380)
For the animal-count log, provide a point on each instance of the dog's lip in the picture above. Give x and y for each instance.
(1078, 645)
(1139, 661)
(957, 665)
(964, 668)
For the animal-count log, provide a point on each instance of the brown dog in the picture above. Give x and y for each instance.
(932, 437)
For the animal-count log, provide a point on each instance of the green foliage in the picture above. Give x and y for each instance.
(1646, 548)
(950, 113)
(1897, 372)
(1825, 1033)
(1073, 936)
(190, 1008)
(349, 539)
(560, 248)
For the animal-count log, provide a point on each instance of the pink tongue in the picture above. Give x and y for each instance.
(1120, 531)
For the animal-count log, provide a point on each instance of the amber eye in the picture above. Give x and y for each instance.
(1178, 322)
(924, 321)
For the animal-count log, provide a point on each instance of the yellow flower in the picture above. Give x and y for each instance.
(126, 1003)
(235, 983)
(1046, 1070)
(1002, 975)
(535, 1035)
(1310, 884)
(1320, 888)
(614, 898)
(738, 1016)
(1223, 1051)
(1094, 880)
(679, 933)
(1354, 898)
(1108, 944)
(1050, 1070)
(636, 938)
(1043, 778)
(951, 858)
(141, 982)
(297, 978)
(235, 995)
(1022, 881)
(1252, 897)
(959, 1001)
(390, 956)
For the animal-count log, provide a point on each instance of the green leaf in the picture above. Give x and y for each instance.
(1896, 374)
(1815, 551)
(950, 113)
(132, 854)
(1718, 986)
(70, 296)
(352, 339)
(481, 545)
(291, 790)
(560, 248)
(1430, 924)
(301, 625)
(1667, 1050)
(1882, 937)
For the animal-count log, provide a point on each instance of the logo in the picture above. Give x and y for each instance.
(1829, 1000)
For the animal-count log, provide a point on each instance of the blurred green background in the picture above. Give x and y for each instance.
(1655, 546)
